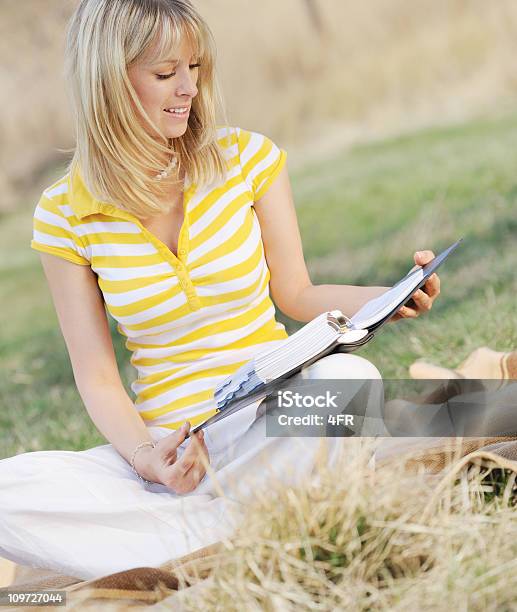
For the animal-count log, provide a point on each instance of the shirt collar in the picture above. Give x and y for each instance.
(83, 203)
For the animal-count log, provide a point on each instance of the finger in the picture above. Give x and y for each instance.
(422, 300)
(432, 285)
(177, 470)
(200, 457)
(196, 473)
(185, 464)
(423, 257)
(170, 457)
(190, 457)
(166, 454)
(196, 448)
(187, 475)
(169, 444)
(196, 438)
(407, 313)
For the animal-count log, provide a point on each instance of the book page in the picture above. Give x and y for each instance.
(378, 308)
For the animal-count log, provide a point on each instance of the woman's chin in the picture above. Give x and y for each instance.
(175, 132)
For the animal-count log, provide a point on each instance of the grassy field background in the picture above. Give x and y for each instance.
(362, 212)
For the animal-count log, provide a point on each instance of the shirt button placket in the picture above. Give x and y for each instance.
(183, 280)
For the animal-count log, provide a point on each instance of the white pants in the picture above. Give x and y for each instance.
(86, 514)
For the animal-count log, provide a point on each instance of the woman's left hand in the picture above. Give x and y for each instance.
(422, 300)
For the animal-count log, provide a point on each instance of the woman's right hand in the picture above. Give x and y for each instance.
(161, 464)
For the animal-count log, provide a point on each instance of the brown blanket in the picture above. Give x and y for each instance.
(141, 585)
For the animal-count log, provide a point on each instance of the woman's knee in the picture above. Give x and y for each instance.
(342, 365)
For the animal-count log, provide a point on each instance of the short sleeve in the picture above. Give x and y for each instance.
(261, 161)
(52, 233)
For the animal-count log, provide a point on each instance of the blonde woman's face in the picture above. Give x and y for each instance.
(166, 89)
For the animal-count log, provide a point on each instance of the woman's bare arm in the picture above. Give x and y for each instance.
(84, 323)
(290, 284)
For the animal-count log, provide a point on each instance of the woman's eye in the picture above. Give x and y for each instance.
(168, 76)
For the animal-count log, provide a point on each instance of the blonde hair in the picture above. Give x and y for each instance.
(115, 155)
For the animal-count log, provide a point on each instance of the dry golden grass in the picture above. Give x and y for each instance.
(355, 540)
(372, 68)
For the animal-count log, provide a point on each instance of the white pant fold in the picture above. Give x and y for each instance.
(86, 514)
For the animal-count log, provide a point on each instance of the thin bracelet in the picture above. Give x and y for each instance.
(132, 462)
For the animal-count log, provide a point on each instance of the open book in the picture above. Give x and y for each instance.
(327, 333)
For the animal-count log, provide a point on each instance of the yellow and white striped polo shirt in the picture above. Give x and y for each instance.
(193, 319)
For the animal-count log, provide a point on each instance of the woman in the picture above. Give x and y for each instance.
(179, 229)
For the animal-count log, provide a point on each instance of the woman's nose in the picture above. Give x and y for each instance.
(187, 85)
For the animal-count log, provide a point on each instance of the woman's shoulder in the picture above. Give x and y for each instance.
(241, 140)
(54, 196)
(54, 224)
(62, 202)
(234, 132)
(258, 157)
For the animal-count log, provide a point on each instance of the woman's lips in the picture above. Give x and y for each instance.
(174, 115)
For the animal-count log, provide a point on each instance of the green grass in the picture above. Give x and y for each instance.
(361, 214)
